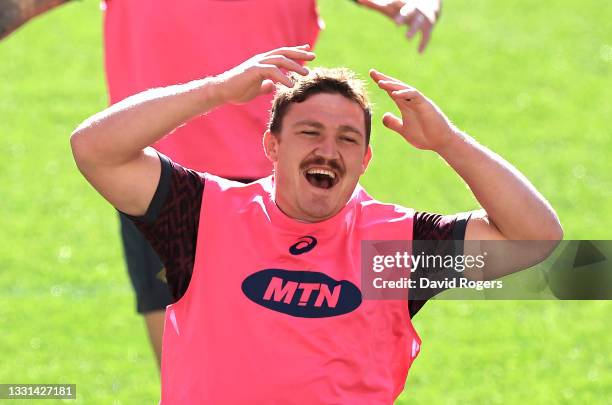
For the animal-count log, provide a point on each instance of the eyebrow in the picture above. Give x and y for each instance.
(318, 125)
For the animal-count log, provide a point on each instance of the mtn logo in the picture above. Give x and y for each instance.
(305, 294)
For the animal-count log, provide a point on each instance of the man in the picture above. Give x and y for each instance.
(157, 43)
(267, 275)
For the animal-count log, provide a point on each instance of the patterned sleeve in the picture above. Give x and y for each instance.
(171, 222)
(435, 234)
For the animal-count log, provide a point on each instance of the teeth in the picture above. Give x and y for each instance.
(322, 171)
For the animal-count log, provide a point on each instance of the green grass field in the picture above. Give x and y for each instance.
(532, 80)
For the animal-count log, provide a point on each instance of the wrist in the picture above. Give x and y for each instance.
(208, 92)
(456, 140)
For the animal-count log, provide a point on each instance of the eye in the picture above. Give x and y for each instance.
(348, 139)
(310, 133)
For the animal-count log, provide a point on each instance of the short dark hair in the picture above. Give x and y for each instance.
(340, 81)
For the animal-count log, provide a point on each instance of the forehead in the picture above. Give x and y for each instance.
(330, 110)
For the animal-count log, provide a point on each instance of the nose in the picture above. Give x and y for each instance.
(327, 148)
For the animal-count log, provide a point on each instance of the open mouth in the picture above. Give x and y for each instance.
(321, 178)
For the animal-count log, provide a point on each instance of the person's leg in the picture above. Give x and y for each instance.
(149, 282)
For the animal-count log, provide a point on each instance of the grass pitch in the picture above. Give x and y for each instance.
(531, 80)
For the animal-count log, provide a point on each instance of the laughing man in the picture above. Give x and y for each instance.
(266, 276)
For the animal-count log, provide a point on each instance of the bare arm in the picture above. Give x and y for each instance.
(112, 150)
(512, 209)
(15, 13)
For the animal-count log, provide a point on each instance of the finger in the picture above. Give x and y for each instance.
(406, 96)
(378, 76)
(407, 16)
(303, 47)
(393, 122)
(274, 74)
(425, 38)
(390, 86)
(415, 25)
(296, 52)
(414, 28)
(285, 63)
(399, 19)
(267, 87)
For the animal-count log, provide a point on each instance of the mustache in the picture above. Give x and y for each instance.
(334, 164)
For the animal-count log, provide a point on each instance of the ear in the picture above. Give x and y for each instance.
(270, 144)
(366, 159)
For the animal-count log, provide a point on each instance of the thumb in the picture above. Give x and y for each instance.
(393, 122)
(267, 86)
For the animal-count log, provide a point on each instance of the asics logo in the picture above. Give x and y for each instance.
(303, 245)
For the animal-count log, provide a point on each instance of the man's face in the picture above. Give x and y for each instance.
(319, 156)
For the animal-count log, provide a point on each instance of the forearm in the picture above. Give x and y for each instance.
(119, 133)
(15, 13)
(111, 148)
(511, 202)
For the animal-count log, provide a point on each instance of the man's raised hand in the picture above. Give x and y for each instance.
(259, 74)
(422, 123)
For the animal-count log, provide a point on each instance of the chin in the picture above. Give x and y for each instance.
(318, 211)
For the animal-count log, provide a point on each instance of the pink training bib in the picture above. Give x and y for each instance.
(274, 312)
(153, 43)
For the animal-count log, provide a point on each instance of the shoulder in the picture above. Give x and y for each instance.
(182, 174)
(372, 208)
(433, 226)
(222, 195)
(369, 204)
(377, 220)
(229, 188)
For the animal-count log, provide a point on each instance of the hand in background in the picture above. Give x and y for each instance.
(417, 15)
